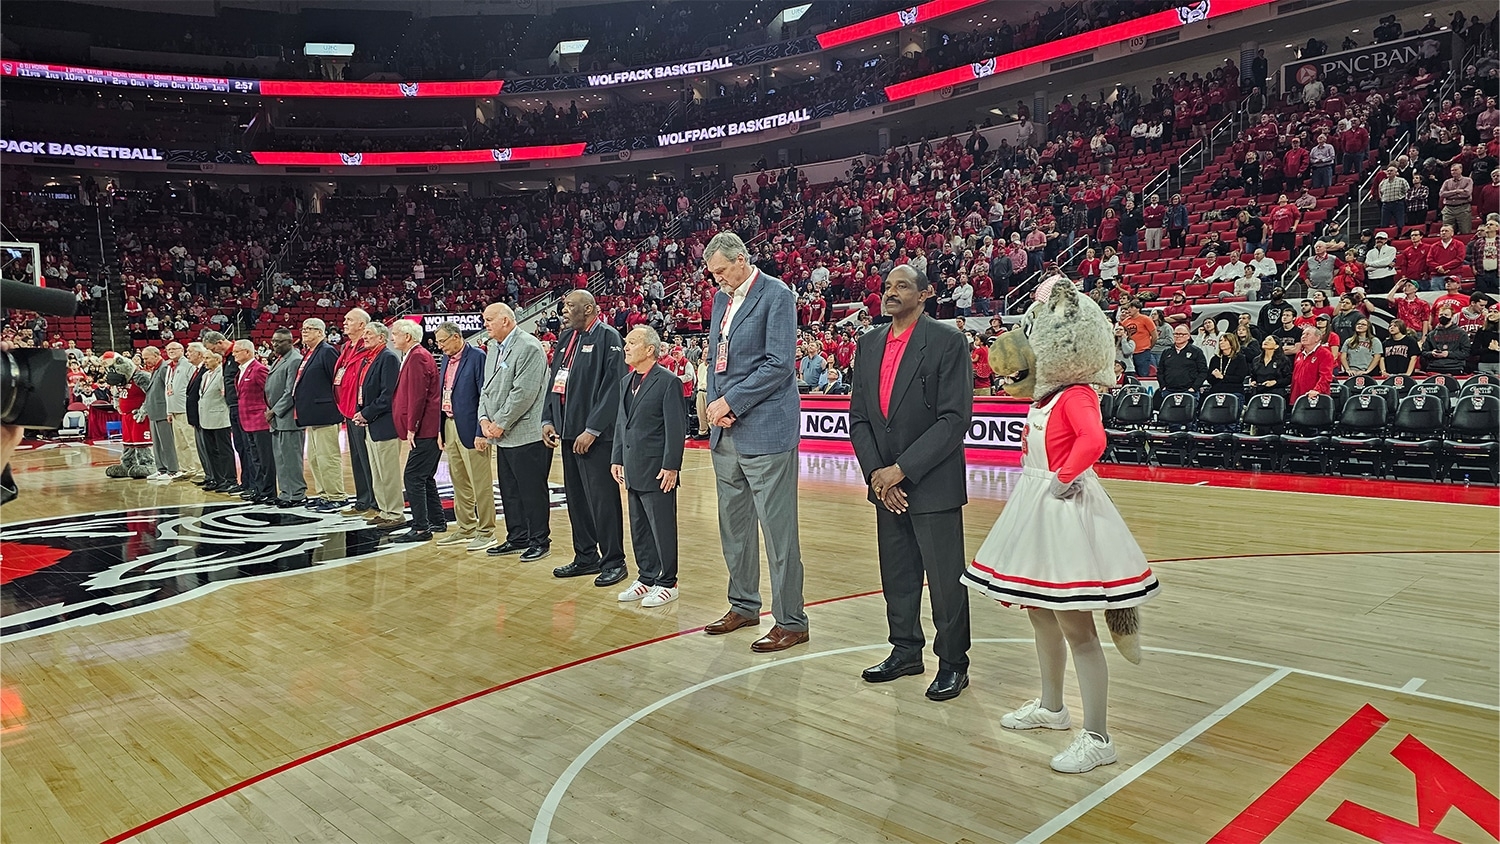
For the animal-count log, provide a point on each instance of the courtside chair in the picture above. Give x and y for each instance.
(1415, 440)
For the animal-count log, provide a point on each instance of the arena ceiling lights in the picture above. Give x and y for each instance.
(1139, 28)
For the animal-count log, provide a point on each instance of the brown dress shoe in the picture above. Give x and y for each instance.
(731, 622)
(779, 639)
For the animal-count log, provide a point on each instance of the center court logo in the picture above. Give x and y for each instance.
(76, 570)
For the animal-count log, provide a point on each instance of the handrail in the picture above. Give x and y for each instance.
(267, 290)
(1070, 254)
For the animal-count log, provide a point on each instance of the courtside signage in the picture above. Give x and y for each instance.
(80, 150)
(996, 424)
(729, 130)
(1104, 36)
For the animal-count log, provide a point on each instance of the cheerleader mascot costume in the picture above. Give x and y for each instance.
(1060, 548)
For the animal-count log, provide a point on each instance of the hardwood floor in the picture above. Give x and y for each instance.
(112, 720)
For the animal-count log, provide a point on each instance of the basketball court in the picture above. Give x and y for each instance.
(181, 667)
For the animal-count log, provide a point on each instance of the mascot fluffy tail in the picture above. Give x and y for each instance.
(1125, 628)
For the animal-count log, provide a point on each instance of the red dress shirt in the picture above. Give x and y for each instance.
(890, 363)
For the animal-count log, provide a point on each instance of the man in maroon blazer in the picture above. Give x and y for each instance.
(260, 475)
(416, 414)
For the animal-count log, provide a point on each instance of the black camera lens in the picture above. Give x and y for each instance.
(33, 388)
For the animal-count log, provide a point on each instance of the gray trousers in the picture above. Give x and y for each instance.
(164, 445)
(760, 493)
(286, 446)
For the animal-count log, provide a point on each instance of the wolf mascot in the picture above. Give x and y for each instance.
(136, 460)
(1060, 548)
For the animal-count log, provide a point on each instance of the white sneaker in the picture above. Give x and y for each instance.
(479, 543)
(452, 538)
(1031, 716)
(181, 476)
(159, 476)
(636, 592)
(660, 595)
(1087, 752)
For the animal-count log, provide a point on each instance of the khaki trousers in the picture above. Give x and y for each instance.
(187, 454)
(323, 460)
(473, 476)
(385, 477)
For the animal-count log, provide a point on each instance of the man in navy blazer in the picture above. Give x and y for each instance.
(472, 472)
(754, 410)
(317, 412)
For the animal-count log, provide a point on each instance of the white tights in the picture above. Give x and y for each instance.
(1056, 633)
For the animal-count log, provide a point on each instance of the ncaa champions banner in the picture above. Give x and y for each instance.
(997, 424)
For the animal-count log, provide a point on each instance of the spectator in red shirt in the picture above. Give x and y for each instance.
(1444, 258)
(1312, 366)
(1179, 312)
(1411, 262)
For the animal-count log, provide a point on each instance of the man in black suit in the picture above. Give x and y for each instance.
(649, 433)
(583, 399)
(909, 410)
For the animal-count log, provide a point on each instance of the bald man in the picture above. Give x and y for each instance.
(582, 400)
(179, 372)
(512, 396)
(152, 378)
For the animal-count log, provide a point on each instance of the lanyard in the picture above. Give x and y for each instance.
(568, 353)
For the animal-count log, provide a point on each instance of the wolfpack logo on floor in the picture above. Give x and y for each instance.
(75, 570)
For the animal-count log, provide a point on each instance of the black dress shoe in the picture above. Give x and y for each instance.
(611, 577)
(439, 529)
(415, 536)
(249, 495)
(264, 499)
(891, 668)
(506, 547)
(231, 489)
(575, 569)
(536, 552)
(948, 684)
(287, 505)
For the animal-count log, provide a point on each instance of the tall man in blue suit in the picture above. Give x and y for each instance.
(461, 376)
(754, 411)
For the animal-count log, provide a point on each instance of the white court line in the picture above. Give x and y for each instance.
(1104, 792)
(542, 827)
(1413, 684)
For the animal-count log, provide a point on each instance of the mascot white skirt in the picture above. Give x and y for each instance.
(1060, 549)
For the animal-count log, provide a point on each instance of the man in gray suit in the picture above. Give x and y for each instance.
(286, 437)
(510, 419)
(180, 372)
(754, 411)
(152, 378)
